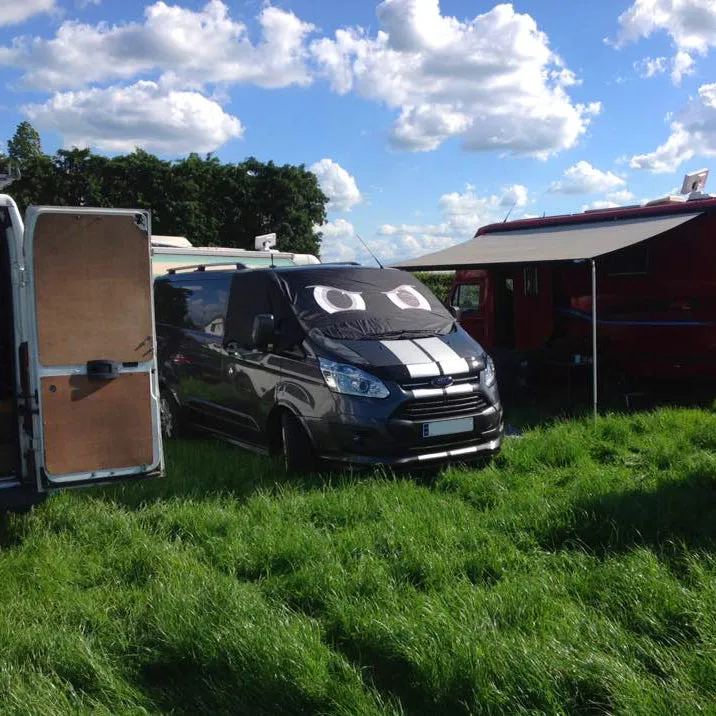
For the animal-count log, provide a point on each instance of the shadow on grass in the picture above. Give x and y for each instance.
(205, 469)
(673, 514)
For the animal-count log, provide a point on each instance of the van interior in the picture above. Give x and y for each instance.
(8, 423)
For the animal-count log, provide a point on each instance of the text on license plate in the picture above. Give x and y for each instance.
(448, 427)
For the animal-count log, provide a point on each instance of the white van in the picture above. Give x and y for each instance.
(78, 371)
(172, 252)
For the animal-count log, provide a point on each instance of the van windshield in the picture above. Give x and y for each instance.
(361, 303)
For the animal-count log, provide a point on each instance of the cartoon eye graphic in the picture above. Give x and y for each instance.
(408, 297)
(333, 300)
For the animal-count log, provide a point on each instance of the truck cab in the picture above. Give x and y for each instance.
(78, 374)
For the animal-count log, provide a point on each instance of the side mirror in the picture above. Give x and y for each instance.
(263, 331)
(456, 312)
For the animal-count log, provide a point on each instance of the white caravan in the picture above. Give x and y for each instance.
(172, 252)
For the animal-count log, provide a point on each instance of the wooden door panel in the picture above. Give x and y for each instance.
(92, 289)
(96, 425)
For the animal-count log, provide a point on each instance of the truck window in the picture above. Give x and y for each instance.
(468, 296)
(531, 281)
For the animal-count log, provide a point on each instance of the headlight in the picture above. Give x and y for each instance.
(349, 380)
(488, 375)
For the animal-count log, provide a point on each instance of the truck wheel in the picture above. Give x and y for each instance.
(170, 414)
(298, 456)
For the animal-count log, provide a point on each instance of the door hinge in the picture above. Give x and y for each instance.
(19, 275)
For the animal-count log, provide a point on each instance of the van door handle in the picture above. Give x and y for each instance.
(103, 369)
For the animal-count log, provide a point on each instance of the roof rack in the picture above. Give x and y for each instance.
(202, 267)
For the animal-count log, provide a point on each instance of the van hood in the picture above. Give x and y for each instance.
(452, 354)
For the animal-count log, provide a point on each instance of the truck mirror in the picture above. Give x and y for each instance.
(456, 312)
(263, 331)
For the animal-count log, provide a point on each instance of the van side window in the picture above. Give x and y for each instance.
(196, 305)
(468, 296)
(531, 281)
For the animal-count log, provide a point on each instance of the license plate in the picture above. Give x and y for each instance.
(448, 427)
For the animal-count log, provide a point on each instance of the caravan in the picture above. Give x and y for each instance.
(172, 252)
(78, 379)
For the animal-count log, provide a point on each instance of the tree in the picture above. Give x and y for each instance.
(211, 203)
(25, 144)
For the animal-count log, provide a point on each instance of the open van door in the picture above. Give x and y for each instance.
(92, 346)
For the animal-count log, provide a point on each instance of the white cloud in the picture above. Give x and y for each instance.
(620, 197)
(337, 184)
(145, 115)
(651, 66)
(462, 214)
(682, 64)
(338, 242)
(583, 178)
(612, 200)
(599, 205)
(190, 48)
(492, 81)
(691, 25)
(337, 228)
(13, 12)
(693, 133)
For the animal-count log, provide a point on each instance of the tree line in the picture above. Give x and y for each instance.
(209, 202)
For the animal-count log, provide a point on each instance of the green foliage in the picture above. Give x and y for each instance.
(439, 282)
(25, 144)
(575, 575)
(211, 203)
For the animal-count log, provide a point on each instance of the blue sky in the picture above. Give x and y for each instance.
(423, 119)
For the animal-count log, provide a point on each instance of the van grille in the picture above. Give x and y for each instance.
(417, 383)
(449, 406)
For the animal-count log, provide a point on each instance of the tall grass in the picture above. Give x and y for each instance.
(575, 575)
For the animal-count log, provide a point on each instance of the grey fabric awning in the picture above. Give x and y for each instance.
(556, 243)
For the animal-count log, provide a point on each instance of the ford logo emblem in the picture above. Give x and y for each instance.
(442, 381)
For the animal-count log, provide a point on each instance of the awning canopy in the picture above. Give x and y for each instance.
(556, 243)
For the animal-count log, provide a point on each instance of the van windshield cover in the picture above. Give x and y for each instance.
(361, 303)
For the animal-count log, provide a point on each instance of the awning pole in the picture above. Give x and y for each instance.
(594, 336)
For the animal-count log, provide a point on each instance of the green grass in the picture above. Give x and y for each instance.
(576, 575)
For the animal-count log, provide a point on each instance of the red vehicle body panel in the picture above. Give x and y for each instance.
(656, 301)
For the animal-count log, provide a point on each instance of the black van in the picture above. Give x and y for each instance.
(337, 364)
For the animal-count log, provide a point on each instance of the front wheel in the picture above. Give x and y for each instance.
(298, 455)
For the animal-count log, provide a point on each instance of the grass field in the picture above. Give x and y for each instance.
(576, 575)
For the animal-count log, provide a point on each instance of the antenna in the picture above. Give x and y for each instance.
(504, 221)
(695, 182)
(369, 251)
(266, 242)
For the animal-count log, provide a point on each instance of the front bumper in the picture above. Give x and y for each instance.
(349, 437)
(471, 452)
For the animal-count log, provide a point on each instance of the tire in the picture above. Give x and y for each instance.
(170, 413)
(298, 455)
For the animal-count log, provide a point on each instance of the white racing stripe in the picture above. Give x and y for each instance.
(416, 361)
(449, 360)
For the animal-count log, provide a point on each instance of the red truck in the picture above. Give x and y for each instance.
(656, 299)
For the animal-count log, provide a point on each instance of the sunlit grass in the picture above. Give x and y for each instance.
(576, 574)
